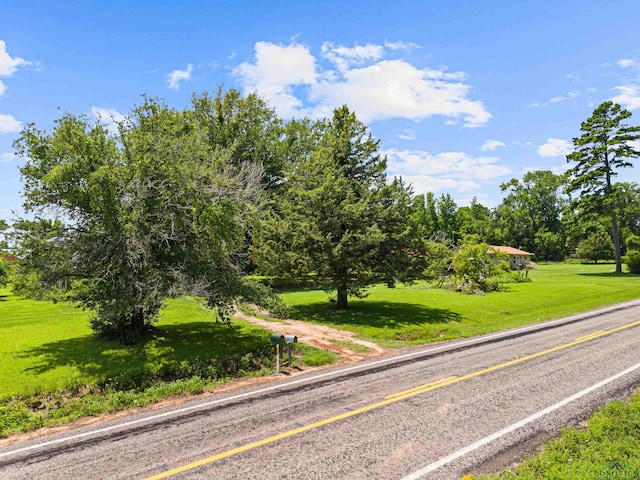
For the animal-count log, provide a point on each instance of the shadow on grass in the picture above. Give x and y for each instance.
(375, 314)
(99, 359)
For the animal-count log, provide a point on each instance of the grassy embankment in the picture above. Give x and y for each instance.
(607, 449)
(416, 314)
(53, 369)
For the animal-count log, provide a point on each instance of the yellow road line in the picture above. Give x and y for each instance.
(426, 387)
(591, 335)
(393, 398)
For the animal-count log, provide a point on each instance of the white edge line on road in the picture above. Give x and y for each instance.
(332, 373)
(511, 428)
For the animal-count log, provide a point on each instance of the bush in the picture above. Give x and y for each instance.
(633, 243)
(597, 246)
(633, 261)
(4, 272)
(476, 267)
(29, 286)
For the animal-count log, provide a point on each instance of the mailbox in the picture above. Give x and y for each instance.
(291, 339)
(277, 338)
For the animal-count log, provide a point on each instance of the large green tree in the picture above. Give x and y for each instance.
(605, 146)
(447, 219)
(424, 216)
(156, 210)
(245, 127)
(596, 246)
(530, 216)
(476, 219)
(338, 220)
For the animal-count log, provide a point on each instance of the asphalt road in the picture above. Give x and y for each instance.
(436, 412)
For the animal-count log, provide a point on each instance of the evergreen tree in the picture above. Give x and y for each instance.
(605, 146)
(338, 220)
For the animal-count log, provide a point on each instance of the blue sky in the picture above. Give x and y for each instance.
(464, 95)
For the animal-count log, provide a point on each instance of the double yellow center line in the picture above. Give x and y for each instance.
(389, 399)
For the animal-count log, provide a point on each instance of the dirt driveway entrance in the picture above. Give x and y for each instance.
(320, 336)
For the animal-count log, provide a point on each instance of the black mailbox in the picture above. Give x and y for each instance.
(277, 338)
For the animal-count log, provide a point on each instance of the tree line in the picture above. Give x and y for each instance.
(187, 202)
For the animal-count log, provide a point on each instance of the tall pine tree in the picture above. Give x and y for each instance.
(604, 147)
(339, 221)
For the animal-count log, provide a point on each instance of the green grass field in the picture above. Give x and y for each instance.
(49, 346)
(415, 314)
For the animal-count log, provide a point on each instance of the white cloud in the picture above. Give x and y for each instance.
(177, 76)
(344, 57)
(572, 94)
(574, 77)
(109, 117)
(557, 169)
(555, 147)
(560, 98)
(407, 134)
(276, 71)
(394, 88)
(491, 145)
(7, 157)
(8, 124)
(430, 183)
(290, 78)
(443, 171)
(628, 95)
(408, 46)
(628, 63)
(8, 65)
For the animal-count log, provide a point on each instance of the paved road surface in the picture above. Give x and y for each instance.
(435, 412)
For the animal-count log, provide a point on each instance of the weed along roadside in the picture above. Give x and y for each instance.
(55, 371)
(578, 452)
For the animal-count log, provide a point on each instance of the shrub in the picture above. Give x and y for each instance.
(633, 243)
(633, 261)
(476, 267)
(597, 246)
(4, 272)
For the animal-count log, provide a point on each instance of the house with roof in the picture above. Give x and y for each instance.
(518, 259)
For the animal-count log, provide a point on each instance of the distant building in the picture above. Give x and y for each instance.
(518, 259)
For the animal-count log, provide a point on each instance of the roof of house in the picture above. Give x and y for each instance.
(510, 250)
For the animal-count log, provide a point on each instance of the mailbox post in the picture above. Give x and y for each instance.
(277, 339)
(290, 339)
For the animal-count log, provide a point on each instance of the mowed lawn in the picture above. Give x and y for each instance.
(414, 314)
(46, 346)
